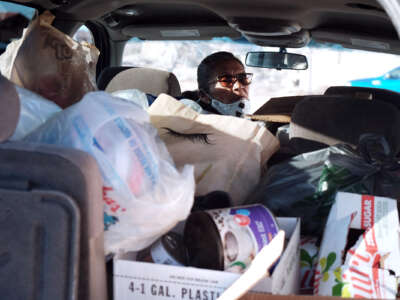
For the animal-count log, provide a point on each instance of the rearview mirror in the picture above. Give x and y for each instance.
(277, 60)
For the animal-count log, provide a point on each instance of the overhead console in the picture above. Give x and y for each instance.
(270, 32)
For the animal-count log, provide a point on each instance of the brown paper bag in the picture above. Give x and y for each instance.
(50, 63)
(228, 152)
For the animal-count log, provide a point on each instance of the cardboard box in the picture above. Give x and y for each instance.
(254, 296)
(140, 280)
(365, 269)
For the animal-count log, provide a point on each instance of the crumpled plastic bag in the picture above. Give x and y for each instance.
(34, 111)
(50, 63)
(144, 194)
(306, 185)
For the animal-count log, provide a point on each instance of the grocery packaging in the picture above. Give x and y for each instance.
(259, 268)
(305, 186)
(228, 239)
(144, 194)
(150, 281)
(369, 268)
(67, 69)
(167, 250)
(308, 263)
(228, 152)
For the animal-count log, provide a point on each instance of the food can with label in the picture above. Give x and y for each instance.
(228, 239)
(168, 250)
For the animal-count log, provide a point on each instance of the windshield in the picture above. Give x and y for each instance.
(329, 65)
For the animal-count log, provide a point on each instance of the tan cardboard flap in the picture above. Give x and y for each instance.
(278, 118)
(279, 105)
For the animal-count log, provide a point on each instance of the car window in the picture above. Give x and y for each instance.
(84, 34)
(329, 65)
(395, 74)
(13, 19)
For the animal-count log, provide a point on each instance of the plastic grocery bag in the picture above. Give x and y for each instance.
(50, 63)
(34, 111)
(305, 186)
(144, 194)
(228, 152)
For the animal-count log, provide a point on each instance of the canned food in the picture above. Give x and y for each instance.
(228, 239)
(168, 250)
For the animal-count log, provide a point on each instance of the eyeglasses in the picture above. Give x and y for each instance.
(228, 80)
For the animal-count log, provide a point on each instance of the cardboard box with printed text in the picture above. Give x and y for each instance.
(367, 269)
(149, 281)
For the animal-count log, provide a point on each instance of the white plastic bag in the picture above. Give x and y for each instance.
(144, 194)
(35, 111)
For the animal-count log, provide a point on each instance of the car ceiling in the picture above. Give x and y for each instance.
(360, 24)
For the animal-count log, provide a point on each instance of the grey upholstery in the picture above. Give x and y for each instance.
(34, 167)
(150, 81)
(107, 74)
(335, 119)
(9, 108)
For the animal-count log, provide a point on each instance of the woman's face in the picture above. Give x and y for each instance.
(228, 93)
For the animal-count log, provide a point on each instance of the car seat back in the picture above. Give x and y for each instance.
(150, 81)
(50, 188)
(40, 243)
(366, 93)
(338, 119)
(9, 108)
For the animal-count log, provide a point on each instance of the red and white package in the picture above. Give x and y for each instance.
(308, 262)
(371, 265)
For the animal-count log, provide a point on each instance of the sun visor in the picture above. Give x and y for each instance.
(201, 32)
(357, 41)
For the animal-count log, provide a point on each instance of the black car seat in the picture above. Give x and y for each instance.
(366, 93)
(52, 217)
(149, 81)
(328, 120)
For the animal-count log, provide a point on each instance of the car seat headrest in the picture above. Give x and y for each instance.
(366, 93)
(9, 108)
(150, 81)
(338, 119)
(107, 74)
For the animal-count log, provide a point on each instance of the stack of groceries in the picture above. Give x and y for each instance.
(191, 210)
(201, 221)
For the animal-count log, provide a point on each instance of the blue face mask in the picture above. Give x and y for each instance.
(237, 109)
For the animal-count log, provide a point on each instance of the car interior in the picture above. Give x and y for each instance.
(284, 24)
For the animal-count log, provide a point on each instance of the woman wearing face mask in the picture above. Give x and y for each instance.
(223, 86)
